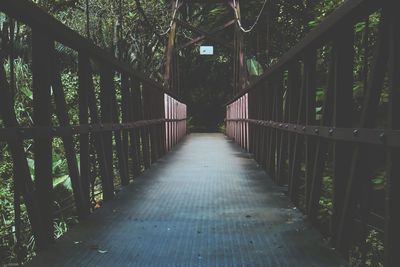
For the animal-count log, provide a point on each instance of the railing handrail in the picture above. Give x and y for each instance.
(36, 18)
(348, 12)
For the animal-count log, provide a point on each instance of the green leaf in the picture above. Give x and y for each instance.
(31, 165)
(254, 68)
(27, 92)
(360, 27)
(378, 182)
(57, 163)
(64, 181)
(313, 23)
(320, 94)
(358, 88)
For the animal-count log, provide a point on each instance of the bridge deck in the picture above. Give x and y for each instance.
(205, 204)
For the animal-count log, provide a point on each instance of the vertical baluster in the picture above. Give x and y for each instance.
(283, 154)
(230, 122)
(246, 132)
(165, 115)
(145, 130)
(161, 126)
(149, 102)
(310, 105)
(251, 125)
(126, 117)
(264, 110)
(278, 118)
(106, 88)
(105, 173)
(235, 123)
(81, 199)
(41, 71)
(272, 131)
(343, 52)
(295, 116)
(259, 141)
(166, 100)
(322, 145)
(254, 126)
(136, 148)
(153, 127)
(392, 215)
(84, 76)
(260, 130)
(170, 122)
(185, 121)
(240, 122)
(175, 122)
(292, 109)
(115, 118)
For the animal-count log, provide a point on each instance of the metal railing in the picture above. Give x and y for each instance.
(134, 131)
(341, 141)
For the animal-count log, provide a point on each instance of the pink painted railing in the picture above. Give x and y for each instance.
(237, 127)
(175, 124)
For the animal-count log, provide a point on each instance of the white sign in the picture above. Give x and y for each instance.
(206, 50)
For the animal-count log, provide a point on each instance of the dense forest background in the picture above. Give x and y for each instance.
(132, 30)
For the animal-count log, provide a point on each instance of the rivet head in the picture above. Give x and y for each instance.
(101, 126)
(331, 131)
(295, 127)
(304, 128)
(355, 132)
(316, 131)
(287, 126)
(382, 136)
(280, 124)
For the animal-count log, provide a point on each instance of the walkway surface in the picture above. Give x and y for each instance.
(204, 204)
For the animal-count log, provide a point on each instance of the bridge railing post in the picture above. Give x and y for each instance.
(42, 150)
